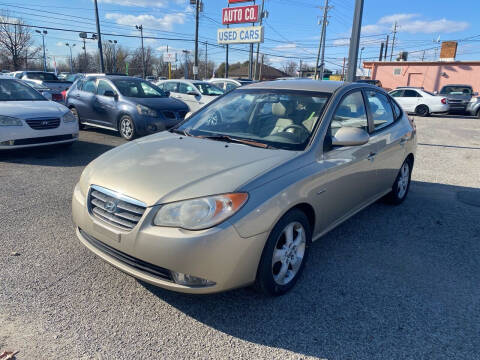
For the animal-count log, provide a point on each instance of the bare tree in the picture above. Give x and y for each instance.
(15, 41)
(135, 67)
(290, 68)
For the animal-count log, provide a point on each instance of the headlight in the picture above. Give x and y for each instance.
(10, 121)
(144, 110)
(201, 213)
(69, 117)
(474, 99)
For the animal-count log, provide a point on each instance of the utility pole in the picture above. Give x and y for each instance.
(140, 27)
(343, 68)
(258, 44)
(197, 11)
(386, 48)
(355, 41)
(261, 67)
(43, 33)
(382, 45)
(226, 60)
(26, 59)
(114, 42)
(393, 40)
(99, 37)
(206, 60)
(423, 55)
(300, 69)
(250, 56)
(322, 43)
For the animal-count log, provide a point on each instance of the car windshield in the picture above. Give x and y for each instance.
(72, 77)
(12, 90)
(209, 89)
(138, 89)
(276, 118)
(456, 90)
(42, 76)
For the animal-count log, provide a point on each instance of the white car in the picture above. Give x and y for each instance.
(419, 101)
(229, 84)
(195, 93)
(28, 119)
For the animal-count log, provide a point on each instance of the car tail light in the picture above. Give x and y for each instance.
(444, 101)
(57, 97)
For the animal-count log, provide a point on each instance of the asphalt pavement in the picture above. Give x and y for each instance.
(390, 283)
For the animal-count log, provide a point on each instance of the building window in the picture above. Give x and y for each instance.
(397, 71)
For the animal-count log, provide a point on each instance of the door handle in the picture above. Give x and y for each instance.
(371, 156)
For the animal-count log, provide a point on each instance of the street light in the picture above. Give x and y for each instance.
(71, 57)
(43, 33)
(360, 62)
(114, 42)
(140, 28)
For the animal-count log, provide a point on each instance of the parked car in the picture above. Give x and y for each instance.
(230, 84)
(473, 107)
(458, 96)
(371, 82)
(151, 78)
(28, 119)
(419, 101)
(132, 106)
(42, 89)
(49, 80)
(215, 205)
(195, 93)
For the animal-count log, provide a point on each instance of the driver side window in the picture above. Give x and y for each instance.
(185, 88)
(350, 113)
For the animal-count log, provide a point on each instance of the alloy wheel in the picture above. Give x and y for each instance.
(403, 180)
(126, 128)
(288, 253)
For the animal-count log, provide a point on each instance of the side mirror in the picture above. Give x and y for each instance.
(192, 92)
(188, 115)
(167, 93)
(350, 136)
(435, 92)
(110, 93)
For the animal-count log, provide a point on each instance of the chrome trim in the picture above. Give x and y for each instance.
(99, 126)
(118, 196)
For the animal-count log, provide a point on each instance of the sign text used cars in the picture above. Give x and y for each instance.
(239, 15)
(240, 35)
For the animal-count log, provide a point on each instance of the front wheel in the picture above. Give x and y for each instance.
(127, 128)
(284, 255)
(401, 185)
(422, 110)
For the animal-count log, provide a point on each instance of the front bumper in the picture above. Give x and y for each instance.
(458, 106)
(149, 252)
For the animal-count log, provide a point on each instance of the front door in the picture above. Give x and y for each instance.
(85, 99)
(349, 181)
(193, 101)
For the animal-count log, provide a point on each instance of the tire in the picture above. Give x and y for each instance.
(276, 276)
(478, 114)
(401, 185)
(422, 110)
(75, 113)
(126, 127)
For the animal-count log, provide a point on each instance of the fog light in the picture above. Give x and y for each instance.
(189, 280)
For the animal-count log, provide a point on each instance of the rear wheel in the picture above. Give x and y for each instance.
(401, 185)
(422, 110)
(75, 113)
(126, 127)
(284, 254)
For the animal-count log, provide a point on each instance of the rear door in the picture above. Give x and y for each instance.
(85, 100)
(411, 99)
(388, 136)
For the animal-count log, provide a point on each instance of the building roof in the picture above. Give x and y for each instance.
(268, 72)
(406, 63)
(326, 86)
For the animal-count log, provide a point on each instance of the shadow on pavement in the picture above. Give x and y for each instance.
(79, 154)
(391, 282)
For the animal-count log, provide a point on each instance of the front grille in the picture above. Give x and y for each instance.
(43, 139)
(115, 209)
(43, 123)
(456, 101)
(127, 259)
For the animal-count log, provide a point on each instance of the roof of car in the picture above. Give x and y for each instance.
(327, 86)
(464, 85)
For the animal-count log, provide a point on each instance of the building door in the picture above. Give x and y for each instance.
(415, 80)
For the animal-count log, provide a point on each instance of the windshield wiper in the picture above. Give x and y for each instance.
(227, 138)
(181, 132)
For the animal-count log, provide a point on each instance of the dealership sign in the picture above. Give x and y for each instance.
(239, 15)
(169, 57)
(240, 35)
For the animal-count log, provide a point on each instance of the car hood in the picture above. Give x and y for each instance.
(31, 109)
(166, 167)
(161, 103)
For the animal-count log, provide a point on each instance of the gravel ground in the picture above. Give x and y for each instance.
(390, 283)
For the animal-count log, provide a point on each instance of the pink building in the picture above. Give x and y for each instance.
(429, 75)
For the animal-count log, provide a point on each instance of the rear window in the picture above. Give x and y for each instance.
(456, 90)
